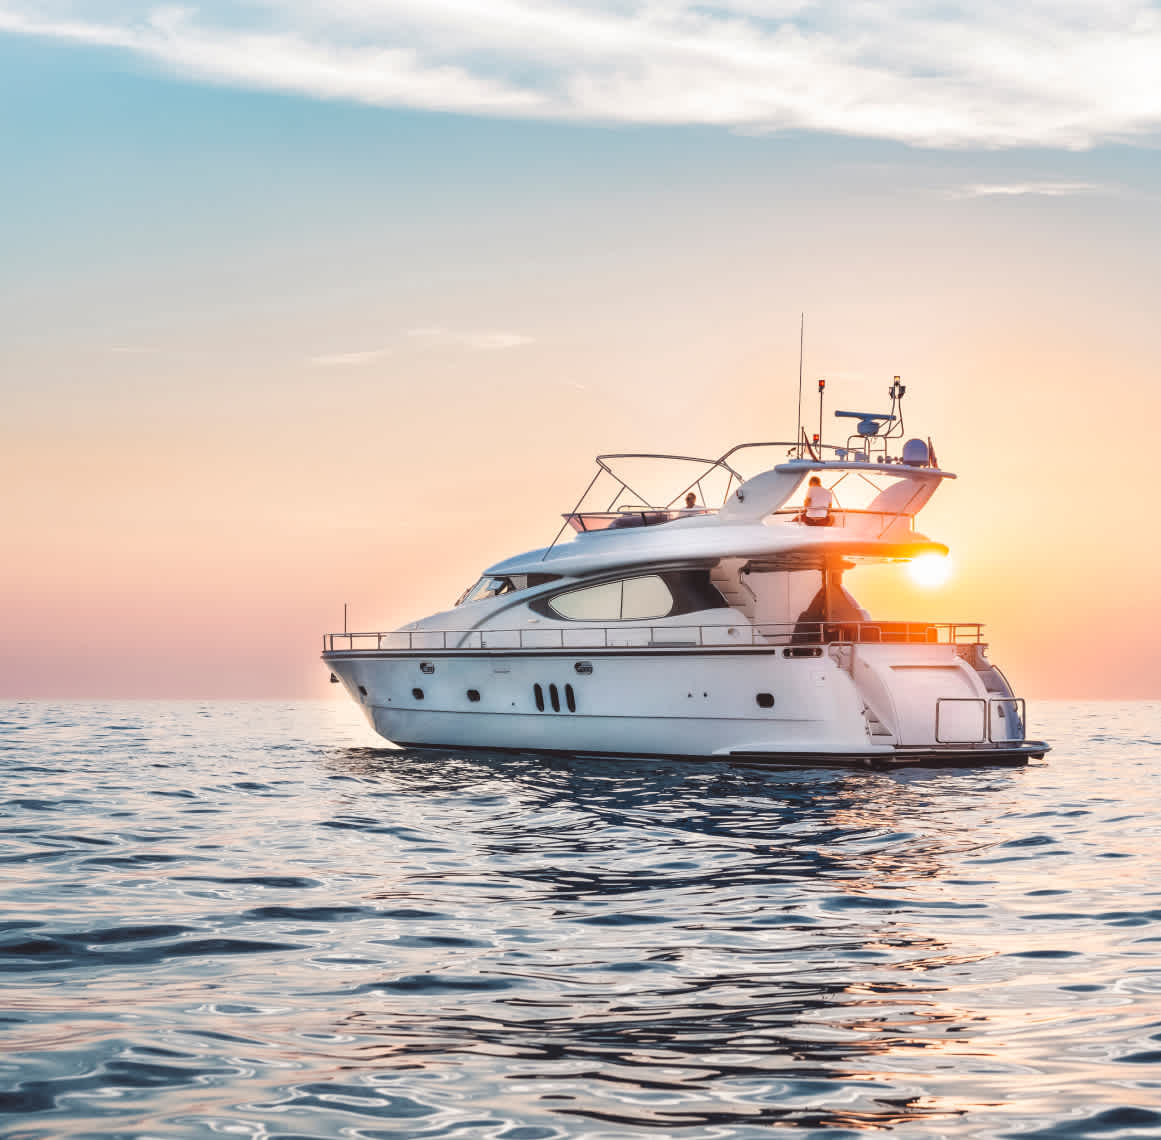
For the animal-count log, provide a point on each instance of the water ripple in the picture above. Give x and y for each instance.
(250, 920)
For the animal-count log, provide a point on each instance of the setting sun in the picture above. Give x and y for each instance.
(930, 570)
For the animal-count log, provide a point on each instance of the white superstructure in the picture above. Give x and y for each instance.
(698, 631)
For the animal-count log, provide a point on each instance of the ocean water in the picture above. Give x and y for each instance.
(253, 920)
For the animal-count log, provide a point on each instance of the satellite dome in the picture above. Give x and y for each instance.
(915, 453)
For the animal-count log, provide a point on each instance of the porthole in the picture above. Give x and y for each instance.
(417, 694)
(538, 695)
(554, 696)
(765, 700)
(426, 667)
(584, 668)
(570, 698)
(802, 651)
(473, 695)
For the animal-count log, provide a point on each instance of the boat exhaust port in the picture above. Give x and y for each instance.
(554, 697)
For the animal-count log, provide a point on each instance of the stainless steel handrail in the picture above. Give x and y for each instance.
(627, 635)
(989, 708)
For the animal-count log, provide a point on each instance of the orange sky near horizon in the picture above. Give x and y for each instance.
(207, 561)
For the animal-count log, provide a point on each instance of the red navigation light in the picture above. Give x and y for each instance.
(817, 437)
(822, 385)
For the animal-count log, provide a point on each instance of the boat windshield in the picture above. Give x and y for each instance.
(491, 586)
(486, 587)
(584, 521)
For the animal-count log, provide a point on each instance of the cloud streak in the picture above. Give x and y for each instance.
(482, 341)
(349, 359)
(1067, 74)
(1024, 189)
(431, 336)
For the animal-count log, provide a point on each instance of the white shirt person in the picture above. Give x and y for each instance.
(818, 504)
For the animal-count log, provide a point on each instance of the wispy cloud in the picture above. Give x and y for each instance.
(350, 359)
(1021, 189)
(484, 341)
(1058, 73)
(435, 336)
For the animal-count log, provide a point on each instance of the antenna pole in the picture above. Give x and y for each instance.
(344, 617)
(801, 338)
(821, 390)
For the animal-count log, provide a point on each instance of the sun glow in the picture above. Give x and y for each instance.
(930, 570)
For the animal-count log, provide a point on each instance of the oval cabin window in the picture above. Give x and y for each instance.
(632, 599)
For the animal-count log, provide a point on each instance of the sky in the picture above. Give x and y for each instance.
(305, 304)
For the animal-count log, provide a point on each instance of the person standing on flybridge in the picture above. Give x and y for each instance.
(818, 500)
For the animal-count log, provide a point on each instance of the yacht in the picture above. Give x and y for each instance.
(709, 620)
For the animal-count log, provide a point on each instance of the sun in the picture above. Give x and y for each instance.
(930, 570)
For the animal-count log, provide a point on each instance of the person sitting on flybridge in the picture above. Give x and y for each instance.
(818, 501)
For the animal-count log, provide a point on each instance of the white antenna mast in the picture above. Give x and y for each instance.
(801, 337)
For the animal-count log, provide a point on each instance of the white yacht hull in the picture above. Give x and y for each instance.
(789, 703)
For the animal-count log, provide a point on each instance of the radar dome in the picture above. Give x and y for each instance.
(915, 453)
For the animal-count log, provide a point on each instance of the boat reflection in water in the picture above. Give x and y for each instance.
(671, 630)
(650, 944)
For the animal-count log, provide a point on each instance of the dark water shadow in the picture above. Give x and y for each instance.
(803, 878)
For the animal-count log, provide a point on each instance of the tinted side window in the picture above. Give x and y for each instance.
(595, 603)
(645, 598)
(634, 599)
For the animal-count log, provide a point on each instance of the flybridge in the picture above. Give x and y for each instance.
(754, 480)
(718, 488)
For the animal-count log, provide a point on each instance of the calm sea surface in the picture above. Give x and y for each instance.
(250, 920)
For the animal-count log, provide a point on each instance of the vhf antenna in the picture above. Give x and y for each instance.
(801, 338)
(897, 391)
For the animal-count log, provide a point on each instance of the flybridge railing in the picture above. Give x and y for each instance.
(699, 484)
(798, 637)
(628, 517)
